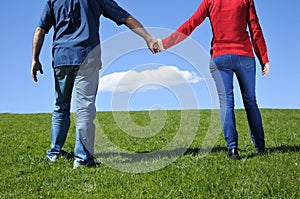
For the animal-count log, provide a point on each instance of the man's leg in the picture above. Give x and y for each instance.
(85, 90)
(64, 81)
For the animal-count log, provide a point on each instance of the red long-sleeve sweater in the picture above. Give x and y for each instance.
(229, 20)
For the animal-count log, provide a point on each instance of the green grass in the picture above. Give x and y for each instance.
(25, 172)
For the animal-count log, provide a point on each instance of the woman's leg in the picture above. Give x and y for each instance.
(221, 70)
(245, 70)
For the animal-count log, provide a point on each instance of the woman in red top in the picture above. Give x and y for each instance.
(231, 53)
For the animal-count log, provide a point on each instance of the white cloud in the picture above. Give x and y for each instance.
(162, 77)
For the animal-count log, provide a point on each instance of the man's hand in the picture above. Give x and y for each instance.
(35, 67)
(38, 40)
(266, 69)
(150, 43)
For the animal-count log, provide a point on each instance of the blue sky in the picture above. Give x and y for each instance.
(19, 94)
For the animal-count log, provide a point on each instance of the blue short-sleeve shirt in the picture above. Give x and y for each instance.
(76, 26)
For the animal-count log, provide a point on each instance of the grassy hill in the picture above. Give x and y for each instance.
(160, 154)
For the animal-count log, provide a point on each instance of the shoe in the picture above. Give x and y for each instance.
(233, 153)
(83, 163)
(52, 158)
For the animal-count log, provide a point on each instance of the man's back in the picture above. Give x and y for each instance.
(76, 27)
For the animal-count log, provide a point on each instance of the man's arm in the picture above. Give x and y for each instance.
(138, 28)
(38, 40)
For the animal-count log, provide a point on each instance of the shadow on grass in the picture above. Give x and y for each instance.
(153, 155)
(284, 149)
(198, 151)
(67, 155)
(280, 149)
(148, 155)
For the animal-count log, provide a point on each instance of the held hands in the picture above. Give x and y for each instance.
(158, 46)
(155, 45)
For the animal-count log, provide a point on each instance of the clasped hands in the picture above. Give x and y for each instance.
(155, 45)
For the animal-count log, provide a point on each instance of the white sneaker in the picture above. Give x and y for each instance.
(52, 158)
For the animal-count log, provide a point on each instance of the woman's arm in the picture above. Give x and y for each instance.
(257, 36)
(188, 27)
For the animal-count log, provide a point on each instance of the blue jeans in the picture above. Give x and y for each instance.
(223, 69)
(82, 83)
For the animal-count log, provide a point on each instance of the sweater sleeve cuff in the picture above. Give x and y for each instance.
(164, 43)
(264, 60)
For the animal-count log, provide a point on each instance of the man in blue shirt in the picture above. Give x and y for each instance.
(76, 64)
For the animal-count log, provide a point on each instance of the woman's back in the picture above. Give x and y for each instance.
(228, 20)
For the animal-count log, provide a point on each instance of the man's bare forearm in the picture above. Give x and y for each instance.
(37, 43)
(137, 27)
(38, 40)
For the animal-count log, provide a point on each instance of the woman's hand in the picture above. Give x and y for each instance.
(266, 69)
